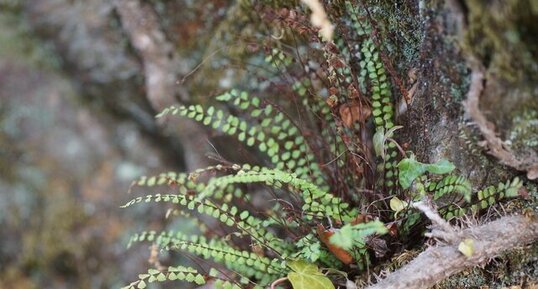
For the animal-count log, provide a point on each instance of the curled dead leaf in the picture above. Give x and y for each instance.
(379, 246)
(393, 229)
(353, 112)
(341, 254)
(332, 101)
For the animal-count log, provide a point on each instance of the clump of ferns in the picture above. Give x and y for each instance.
(295, 171)
(329, 202)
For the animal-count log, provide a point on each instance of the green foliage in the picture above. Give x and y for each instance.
(273, 133)
(524, 132)
(308, 248)
(350, 236)
(485, 198)
(450, 184)
(317, 202)
(246, 264)
(380, 138)
(397, 205)
(307, 276)
(278, 58)
(179, 273)
(374, 81)
(314, 175)
(410, 169)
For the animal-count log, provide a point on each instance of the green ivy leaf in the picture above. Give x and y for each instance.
(441, 167)
(397, 205)
(307, 276)
(410, 169)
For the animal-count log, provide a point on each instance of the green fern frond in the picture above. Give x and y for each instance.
(451, 184)
(166, 178)
(316, 201)
(372, 72)
(179, 273)
(230, 216)
(247, 263)
(293, 154)
(485, 198)
(278, 58)
(309, 248)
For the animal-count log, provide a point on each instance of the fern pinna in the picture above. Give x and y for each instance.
(327, 190)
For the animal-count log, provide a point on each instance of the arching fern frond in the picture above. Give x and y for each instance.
(230, 216)
(248, 263)
(316, 201)
(179, 273)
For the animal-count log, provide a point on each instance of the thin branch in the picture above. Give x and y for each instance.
(440, 262)
(446, 231)
(495, 144)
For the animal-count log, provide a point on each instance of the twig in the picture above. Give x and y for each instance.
(495, 144)
(440, 262)
(445, 231)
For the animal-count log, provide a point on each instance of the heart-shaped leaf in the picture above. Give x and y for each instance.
(441, 167)
(410, 169)
(307, 276)
(397, 205)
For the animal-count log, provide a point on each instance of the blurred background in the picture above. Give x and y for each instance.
(77, 126)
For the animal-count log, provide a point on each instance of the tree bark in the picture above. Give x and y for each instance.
(142, 26)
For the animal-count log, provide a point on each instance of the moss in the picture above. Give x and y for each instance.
(399, 31)
(504, 37)
(524, 132)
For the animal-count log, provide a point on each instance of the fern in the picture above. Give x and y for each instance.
(485, 198)
(180, 273)
(273, 122)
(373, 78)
(449, 185)
(275, 128)
(480, 200)
(229, 216)
(308, 196)
(249, 264)
(317, 202)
